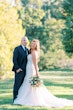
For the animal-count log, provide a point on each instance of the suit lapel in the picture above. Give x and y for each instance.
(22, 50)
(25, 52)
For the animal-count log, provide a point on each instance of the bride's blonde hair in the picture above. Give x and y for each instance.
(37, 46)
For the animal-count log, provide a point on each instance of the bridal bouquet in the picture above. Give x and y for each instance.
(35, 81)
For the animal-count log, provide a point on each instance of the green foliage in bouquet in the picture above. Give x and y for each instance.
(35, 81)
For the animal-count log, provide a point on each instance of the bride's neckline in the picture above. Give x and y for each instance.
(35, 52)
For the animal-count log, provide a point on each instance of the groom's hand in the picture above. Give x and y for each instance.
(18, 70)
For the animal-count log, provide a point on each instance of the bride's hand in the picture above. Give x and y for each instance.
(37, 74)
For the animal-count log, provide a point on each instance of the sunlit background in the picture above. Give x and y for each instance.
(50, 21)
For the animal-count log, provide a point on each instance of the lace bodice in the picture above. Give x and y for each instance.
(30, 69)
(30, 58)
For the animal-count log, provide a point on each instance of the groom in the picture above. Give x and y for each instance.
(19, 64)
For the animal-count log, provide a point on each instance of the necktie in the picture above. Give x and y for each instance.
(26, 51)
(23, 47)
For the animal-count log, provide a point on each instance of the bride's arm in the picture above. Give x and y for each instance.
(34, 58)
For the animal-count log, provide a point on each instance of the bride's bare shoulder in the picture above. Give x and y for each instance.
(35, 53)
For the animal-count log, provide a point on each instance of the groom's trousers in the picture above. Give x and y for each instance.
(19, 77)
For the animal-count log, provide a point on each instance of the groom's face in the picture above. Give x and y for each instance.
(24, 41)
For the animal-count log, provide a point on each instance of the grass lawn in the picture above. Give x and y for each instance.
(60, 83)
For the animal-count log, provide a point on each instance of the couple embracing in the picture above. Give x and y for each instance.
(26, 66)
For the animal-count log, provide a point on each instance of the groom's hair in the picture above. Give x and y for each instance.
(24, 37)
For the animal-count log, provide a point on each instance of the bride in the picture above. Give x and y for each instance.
(37, 96)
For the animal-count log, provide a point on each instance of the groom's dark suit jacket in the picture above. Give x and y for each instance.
(19, 58)
(19, 61)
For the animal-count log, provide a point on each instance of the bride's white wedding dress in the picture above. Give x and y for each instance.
(37, 96)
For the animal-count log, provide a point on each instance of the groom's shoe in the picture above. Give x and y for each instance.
(13, 99)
